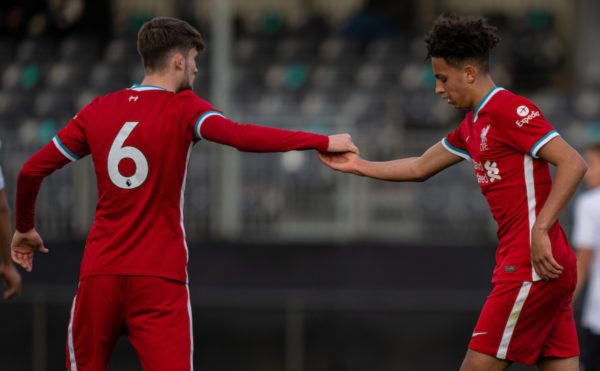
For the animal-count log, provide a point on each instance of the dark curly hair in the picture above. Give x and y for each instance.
(457, 39)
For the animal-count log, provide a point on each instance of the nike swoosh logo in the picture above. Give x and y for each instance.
(478, 333)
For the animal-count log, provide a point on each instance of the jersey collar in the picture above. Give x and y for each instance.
(484, 101)
(138, 87)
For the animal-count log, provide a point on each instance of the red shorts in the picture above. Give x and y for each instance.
(153, 312)
(526, 321)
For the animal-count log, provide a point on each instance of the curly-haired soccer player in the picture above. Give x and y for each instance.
(528, 317)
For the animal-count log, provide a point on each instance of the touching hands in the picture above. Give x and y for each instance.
(346, 162)
(541, 255)
(341, 143)
(24, 245)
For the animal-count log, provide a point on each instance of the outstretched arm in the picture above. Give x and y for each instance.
(416, 169)
(256, 138)
(570, 168)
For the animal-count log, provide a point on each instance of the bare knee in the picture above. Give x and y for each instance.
(476, 361)
(559, 364)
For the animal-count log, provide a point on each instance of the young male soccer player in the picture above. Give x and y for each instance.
(586, 238)
(528, 316)
(133, 275)
(8, 272)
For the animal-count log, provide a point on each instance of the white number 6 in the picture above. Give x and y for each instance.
(118, 152)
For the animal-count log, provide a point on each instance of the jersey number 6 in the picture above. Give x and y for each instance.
(118, 152)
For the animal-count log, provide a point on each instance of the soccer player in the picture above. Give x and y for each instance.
(586, 238)
(8, 272)
(133, 277)
(528, 316)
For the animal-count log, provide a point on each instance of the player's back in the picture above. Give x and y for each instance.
(140, 143)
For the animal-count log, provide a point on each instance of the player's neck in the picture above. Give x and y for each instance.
(482, 89)
(162, 81)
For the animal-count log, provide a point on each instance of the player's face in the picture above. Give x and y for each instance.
(451, 83)
(592, 176)
(190, 70)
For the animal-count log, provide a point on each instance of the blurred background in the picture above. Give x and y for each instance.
(293, 267)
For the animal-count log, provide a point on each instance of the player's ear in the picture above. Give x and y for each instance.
(470, 72)
(178, 61)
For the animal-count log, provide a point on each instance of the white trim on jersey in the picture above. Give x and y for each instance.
(531, 203)
(189, 308)
(64, 150)
(540, 143)
(137, 87)
(70, 337)
(189, 302)
(201, 120)
(512, 320)
(486, 99)
(181, 201)
(456, 151)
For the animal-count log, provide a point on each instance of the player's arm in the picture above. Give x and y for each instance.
(215, 127)
(416, 169)
(26, 240)
(10, 275)
(570, 168)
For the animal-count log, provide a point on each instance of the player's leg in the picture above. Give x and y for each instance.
(561, 347)
(517, 319)
(476, 361)
(159, 323)
(95, 323)
(559, 364)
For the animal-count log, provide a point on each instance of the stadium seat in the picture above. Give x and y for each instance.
(67, 76)
(49, 103)
(36, 49)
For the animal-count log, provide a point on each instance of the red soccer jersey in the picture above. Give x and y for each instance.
(502, 138)
(140, 140)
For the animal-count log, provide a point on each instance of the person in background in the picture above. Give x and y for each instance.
(586, 239)
(8, 272)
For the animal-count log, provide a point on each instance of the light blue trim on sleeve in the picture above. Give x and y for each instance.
(64, 150)
(540, 143)
(201, 119)
(455, 150)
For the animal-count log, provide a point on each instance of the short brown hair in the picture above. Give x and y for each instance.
(161, 35)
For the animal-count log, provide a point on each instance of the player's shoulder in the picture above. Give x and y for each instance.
(189, 97)
(514, 108)
(110, 97)
(507, 102)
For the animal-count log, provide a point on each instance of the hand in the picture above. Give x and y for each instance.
(341, 143)
(24, 245)
(541, 255)
(12, 280)
(346, 162)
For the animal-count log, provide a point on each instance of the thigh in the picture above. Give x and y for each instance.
(562, 340)
(476, 361)
(517, 318)
(159, 323)
(95, 323)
